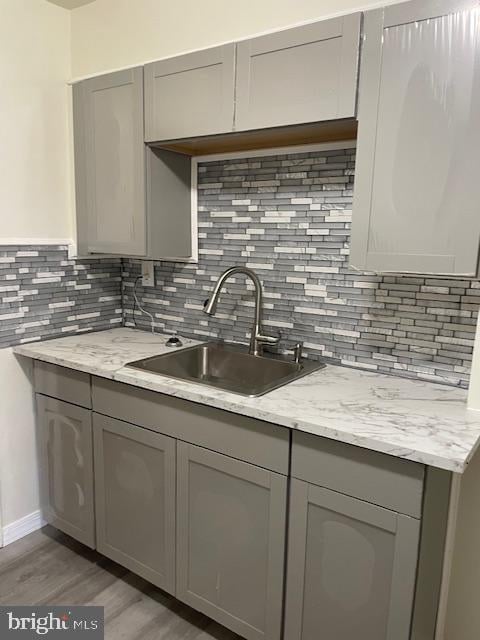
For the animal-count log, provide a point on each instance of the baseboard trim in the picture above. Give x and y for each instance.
(22, 527)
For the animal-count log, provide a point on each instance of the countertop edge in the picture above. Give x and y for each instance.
(68, 364)
(194, 394)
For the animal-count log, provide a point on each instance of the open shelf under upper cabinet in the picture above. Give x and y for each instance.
(312, 133)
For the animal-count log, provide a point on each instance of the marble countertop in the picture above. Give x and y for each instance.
(420, 421)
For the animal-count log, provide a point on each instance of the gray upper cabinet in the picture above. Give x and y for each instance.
(416, 189)
(306, 74)
(230, 541)
(131, 199)
(190, 95)
(351, 568)
(110, 163)
(135, 499)
(66, 467)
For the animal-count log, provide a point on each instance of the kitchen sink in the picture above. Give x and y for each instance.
(228, 367)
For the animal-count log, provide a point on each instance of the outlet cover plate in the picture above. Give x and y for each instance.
(148, 273)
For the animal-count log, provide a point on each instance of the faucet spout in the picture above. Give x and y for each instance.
(257, 339)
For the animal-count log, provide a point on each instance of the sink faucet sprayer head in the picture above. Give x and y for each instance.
(210, 306)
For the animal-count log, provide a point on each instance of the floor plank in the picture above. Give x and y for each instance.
(48, 567)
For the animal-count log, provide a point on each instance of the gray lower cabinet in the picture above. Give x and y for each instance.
(190, 95)
(230, 541)
(351, 568)
(212, 529)
(416, 186)
(66, 467)
(306, 74)
(135, 499)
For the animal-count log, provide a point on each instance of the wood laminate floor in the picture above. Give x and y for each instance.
(48, 567)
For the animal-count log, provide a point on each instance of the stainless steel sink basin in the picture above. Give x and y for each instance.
(227, 367)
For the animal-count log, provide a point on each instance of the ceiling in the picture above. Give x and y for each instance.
(70, 4)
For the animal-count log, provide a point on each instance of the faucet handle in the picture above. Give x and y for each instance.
(268, 339)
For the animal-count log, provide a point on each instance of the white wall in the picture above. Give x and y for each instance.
(110, 34)
(18, 446)
(463, 613)
(34, 203)
(34, 67)
(474, 390)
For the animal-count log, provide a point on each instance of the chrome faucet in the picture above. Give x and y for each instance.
(257, 338)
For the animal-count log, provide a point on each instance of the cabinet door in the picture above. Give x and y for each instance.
(231, 534)
(66, 468)
(351, 568)
(416, 189)
(190, 95)
(110, 163)
(135, 499)
(300, 75)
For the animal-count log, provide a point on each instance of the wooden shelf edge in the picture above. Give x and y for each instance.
(295, 135)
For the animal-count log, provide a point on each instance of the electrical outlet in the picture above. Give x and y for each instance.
(148, 273)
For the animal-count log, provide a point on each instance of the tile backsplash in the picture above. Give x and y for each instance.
(288, 218)
(43, 294)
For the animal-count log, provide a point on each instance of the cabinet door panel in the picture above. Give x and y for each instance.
(416, 192)
(305, 74)
(66, 468)
(231, 531)
(135, 499)
(110, 164)
(190, 95)
(351, 568)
